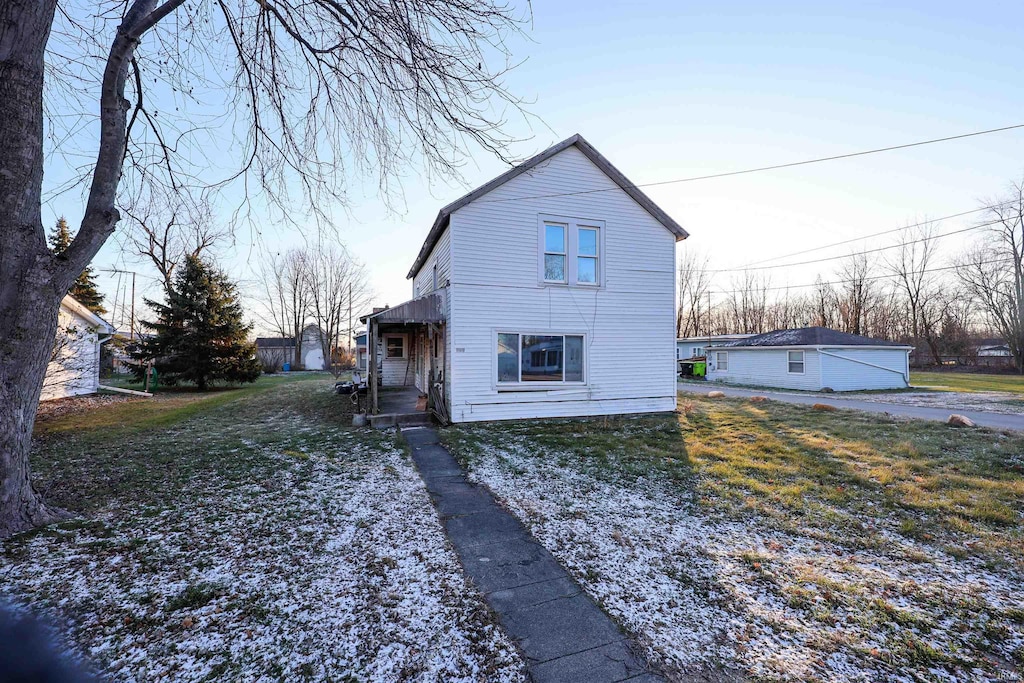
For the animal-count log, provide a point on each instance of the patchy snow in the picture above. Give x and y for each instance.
(334, 568)
(701, 591)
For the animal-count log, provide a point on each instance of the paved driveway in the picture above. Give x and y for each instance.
(983, 418)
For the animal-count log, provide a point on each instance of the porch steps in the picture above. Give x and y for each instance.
(385, 420)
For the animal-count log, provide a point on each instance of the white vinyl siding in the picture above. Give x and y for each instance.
(439, 260)
(75, 367)
(398, 370)
(839, 369)
(847, 369)
(627, 320)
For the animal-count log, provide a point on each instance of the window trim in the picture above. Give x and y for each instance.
(802, 361)
(718, 366)
(572, 229)
(405, 346)
(534, 385)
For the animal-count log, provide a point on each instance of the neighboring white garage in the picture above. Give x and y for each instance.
(812, 359)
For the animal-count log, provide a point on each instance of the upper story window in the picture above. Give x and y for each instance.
(570, 251)
(554, 252)
(586, 255)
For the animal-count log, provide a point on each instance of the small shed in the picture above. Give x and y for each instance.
(74, 367)
(812, 359)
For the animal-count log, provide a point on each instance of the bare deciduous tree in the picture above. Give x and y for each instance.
(693, 315)
(336, 284)
(167, 229)
(855, 293)
(312, 87)
(285, 296)
(993, 272)
(747, 303)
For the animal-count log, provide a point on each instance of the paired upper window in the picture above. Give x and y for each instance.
(571, 251)
(539, 357)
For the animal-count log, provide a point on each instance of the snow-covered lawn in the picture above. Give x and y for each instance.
(779, 543)
(257, 541)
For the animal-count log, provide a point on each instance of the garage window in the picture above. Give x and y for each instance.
(722, 361)
(796, 362)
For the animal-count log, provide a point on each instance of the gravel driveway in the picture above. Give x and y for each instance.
(982, 407)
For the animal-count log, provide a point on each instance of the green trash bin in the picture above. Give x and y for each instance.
(700, 368)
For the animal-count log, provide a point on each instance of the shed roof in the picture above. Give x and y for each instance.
(808, 336)
(441, 222)
(428, 308)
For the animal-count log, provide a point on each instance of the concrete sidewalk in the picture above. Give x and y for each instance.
(562, 633)
(981, 418)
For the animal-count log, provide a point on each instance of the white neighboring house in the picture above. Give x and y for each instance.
(694, 347)
(74, 367)
(547, 292)
(811, 358)
(282, 349)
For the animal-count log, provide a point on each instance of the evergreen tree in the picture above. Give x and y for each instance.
(199, 335)
(84, 289)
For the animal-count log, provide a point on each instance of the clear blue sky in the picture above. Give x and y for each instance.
(669, 89)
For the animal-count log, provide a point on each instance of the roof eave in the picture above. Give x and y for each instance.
(589, 151)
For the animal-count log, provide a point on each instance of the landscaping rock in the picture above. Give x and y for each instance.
(827, 390)
(960, 421)
(823, 407)
(716, 394)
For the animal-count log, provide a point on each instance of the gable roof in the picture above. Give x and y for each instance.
(807, 336)
(275, 342)
(441, 222)
(82, 311)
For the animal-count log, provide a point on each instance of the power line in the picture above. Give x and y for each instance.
(857, 253)
(863, 279)
(874, 234)
(773, 167)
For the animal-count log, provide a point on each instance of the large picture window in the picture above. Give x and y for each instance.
(539, 357)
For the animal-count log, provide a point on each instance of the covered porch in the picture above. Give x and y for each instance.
(406, 373)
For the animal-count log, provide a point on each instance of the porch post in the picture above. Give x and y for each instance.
(371, 340)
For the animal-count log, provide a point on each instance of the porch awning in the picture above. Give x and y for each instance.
(428, 308)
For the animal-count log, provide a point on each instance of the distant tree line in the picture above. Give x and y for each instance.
(906, 293)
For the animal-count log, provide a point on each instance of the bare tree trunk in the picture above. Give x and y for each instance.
(34, 280)
(29, 298)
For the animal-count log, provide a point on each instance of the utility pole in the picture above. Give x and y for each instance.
(350, 320)
(131, 324)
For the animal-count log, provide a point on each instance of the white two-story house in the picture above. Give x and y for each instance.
(547, 292)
